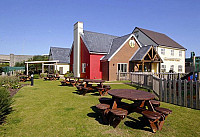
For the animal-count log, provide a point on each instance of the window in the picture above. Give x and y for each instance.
(122, 67)
(172, 52)
(163, 51)
(180, 53)
(83, 67)
(163, 68)
(172, 67)
(180, 68)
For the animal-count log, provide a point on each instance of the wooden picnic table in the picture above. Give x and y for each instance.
(99, 87)
(51, 77)
(71, 81)
(142, 99)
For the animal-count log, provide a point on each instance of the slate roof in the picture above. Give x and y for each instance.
(139, 55)
(116, 43)
(161, 39)
(61, 54)
(97, 42)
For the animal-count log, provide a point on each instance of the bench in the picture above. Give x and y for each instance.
(155, 103)
(79, 87)
(100, 90)
(153, 118)
(165, 112)
(116, 116)
(104, 100)
(85, 90)
(104, 110)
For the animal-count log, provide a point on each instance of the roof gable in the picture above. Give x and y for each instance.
(61, 54)
(116, 44)
(143, 52)
(161, 39)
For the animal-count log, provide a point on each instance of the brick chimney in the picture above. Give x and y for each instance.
(78, 29)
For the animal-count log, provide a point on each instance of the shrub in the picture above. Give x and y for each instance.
(69, 74)
(9, 81)
(5, 104)
(36, 76)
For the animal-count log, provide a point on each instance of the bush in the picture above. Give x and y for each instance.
(9, 82)
(69, 74)
(36, 76)
(5, 104)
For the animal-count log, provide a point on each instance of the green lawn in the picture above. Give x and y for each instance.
(47, 109)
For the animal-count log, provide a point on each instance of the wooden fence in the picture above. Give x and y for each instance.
(170, 90)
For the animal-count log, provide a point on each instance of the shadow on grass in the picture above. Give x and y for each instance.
(81, 93)
(137, 124)
(97, 115)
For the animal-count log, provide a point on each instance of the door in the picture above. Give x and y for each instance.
(61, 70)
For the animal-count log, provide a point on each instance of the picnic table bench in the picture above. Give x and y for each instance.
(88, 86)
(24, 78)
(71, 81)
(52, 77)
(143, 104)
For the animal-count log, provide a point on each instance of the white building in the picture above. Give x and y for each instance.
(172, 53)
(61, 54)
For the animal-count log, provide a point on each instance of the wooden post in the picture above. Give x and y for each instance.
(160, 89)
(185, 93)
(170, 91)
(165, 90)
(197, 95)
(191, 94)
(174, 91)
(179, 93)
(142, 66)
(42, 67)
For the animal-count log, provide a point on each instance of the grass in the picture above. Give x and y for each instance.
(47, 109)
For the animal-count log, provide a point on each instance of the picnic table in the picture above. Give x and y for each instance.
(143, 104)
(24, 78)
(89, 86)
(71, 81)
(52, 77)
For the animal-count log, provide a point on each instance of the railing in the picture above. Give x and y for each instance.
(168, 89)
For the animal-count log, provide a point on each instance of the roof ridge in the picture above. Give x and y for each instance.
(99, 33)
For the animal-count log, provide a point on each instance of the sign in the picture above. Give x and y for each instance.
(132, 43)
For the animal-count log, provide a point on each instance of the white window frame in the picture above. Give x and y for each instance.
(163, 68)
(83, 67)
(180, 68)
(162, 51)
(180, 53)
(172, 52)
(123, 67)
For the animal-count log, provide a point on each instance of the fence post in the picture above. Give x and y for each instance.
(174, 91)
(191, 93)
(185, 93)
(165, 90)
(160, 89)
(179, 92)
(197, 94)
(170, 91)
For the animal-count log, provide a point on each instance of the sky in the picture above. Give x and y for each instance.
(31, 27)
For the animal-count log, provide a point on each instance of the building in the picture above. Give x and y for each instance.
(12, 59)
(101, 56)
(172, 53)
(61, 54)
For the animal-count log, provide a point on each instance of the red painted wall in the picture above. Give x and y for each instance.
(85, 58)
(71, 59)
(95, 66)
